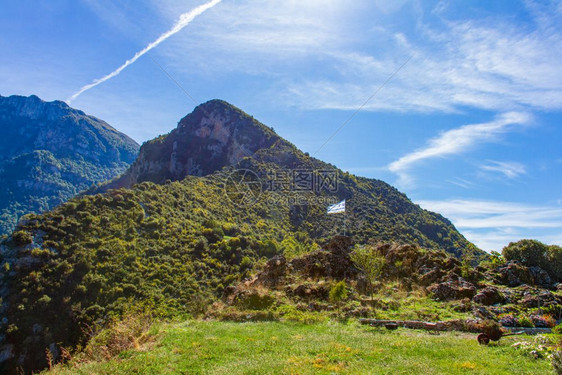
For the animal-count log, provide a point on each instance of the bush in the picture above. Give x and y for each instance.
(338, 292)
(290, 312)
(558, 329)
(22, 238)
(524, 321)
(129, 333)
(370, 262)
(543, 321)
(254, 301)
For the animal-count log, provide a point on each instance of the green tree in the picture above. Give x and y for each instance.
(528, 252)
(535, 253)
(370, 262)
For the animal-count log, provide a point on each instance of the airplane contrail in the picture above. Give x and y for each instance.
(185, 19)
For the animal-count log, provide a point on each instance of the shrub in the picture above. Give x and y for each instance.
(370, 263)
(290, 312)
(543, 321)
(525, 322)
(535, 253)
(129, 333)
(235, 315)
(557, 329)
(22, 238)
(528, 252)
(254, 300)
(338, 292)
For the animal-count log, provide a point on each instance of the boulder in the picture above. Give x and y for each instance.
(274, 270)
(514, 274)
(482, 313)
(540, 276)
(540, 300)
(428, 276)
(452, 290)
(333, 261)
(489, 296)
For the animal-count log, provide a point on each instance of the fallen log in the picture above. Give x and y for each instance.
(412, 324)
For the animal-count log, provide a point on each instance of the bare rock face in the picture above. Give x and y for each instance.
(514, 274)
(216, 134)
(540, 276)
(333, 261)
(273, 272)
(489, 296)
(452, 290)
(542, 299)
(429, 276)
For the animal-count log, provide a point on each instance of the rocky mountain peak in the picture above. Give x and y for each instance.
(216, 134)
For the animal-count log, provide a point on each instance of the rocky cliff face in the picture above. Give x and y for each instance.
(213, 136)
(49, 152)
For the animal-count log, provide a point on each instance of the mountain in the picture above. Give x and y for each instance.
(213, 136)
(217, 136)
(194, 214)
(49, 152)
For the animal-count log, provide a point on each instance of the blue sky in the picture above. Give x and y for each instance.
(468, 127)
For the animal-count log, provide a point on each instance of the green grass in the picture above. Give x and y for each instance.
(196, 347)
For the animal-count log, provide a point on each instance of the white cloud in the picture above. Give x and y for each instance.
(461, 182)
(494, 67)
(327, 55)
(459, 140)
(508, 169)
(492, 224)
(491, 214)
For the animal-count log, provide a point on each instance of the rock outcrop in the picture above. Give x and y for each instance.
(452, 290)
(514, 274)
(489, 296)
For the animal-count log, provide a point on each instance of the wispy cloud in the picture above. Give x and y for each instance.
(487, 63)
(508, 169)
(493, 224)
(459, 140)
(184, 20)
(493, 214)
(461, 182)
